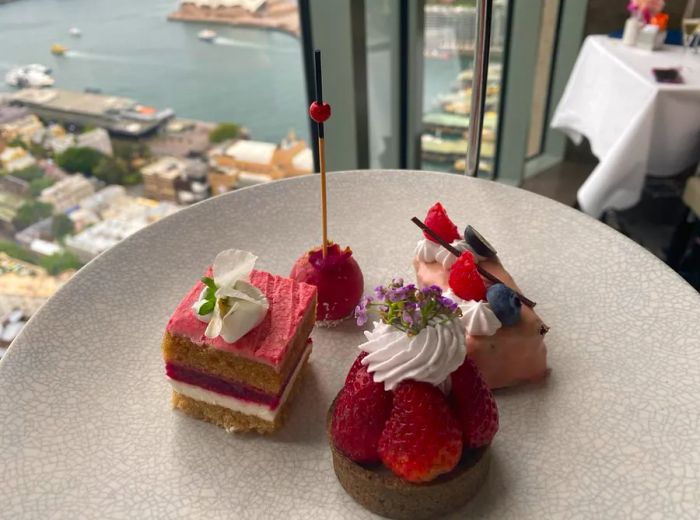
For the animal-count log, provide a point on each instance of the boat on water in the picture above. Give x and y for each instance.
(206, 35)
(75, 32)
(33, 75)
(58, 49)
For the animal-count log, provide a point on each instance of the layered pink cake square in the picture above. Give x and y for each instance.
(243, 385)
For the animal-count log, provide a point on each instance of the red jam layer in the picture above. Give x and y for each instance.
(235, 389)
(267, 343)
(214, 384)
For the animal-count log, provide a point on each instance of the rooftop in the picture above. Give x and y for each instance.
(69, 101)
(252, 151)
(10, 113)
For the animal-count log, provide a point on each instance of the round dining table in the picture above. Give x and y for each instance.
(87, 429)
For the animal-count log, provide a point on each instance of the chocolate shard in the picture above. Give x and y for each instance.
(478, 243)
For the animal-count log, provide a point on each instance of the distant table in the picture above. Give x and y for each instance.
(636, 126)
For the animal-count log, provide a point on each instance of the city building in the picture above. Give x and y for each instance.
(9, 204)
(160, 178)
(11, 184)
(26, 286)
(222, 181)
(103, 201)
(182, 138)
(38, 231)
(249, 5)
(18, 122)
(15, 158)
(67, 193)
(118, 115)
(97, 139)
(126, 219)
(11, 323)
(176, 180)
(44, 247)
(452, 28)
(52, 170)
(59, 143)
(253, 162)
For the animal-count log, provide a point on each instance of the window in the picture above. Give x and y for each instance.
(137, 109)
(450, 33)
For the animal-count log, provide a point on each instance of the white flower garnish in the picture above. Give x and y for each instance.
(239, 306)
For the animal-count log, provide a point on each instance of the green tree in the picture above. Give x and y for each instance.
(61, 226)
(17, 142)
(59, 262)
(38, 185)
(38, 151)
(30, 212)
(29, 174)
(79, 159)
(129, 150)
(18, 252)
(223, 131)
(111, 170)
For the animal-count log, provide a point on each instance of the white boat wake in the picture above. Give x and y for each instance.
(98, 57)
(221, 40)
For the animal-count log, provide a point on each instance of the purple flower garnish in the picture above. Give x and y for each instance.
(361, 311)
(407, 307)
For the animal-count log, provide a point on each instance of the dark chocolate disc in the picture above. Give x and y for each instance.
(478, 243)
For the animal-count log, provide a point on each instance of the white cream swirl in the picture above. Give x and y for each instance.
(426, 250)
(447, 259)
(477, 316)
(430, 356)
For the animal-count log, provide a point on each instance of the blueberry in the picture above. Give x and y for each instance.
(504, 303)
(478, 243)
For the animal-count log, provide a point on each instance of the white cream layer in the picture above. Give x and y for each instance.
(258, 410)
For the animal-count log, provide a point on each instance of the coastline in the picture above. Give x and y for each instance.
(243, 24)
(278, 17)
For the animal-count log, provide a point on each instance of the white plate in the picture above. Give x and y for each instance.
(86, 427)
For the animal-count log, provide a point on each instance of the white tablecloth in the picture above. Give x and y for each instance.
(635, 125)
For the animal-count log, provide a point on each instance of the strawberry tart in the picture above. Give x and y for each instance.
(505, 336)
(411, 428)
(236, 345)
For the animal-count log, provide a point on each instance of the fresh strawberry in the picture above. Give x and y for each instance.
(422, 438)
(438, 221)
(475, 405)
(465, 280)
(361, 411)
(358, 377)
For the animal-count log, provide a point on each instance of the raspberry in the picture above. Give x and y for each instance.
(361, 411)
(438, 221)
(465, 280)
(475, 405)
(422, 438)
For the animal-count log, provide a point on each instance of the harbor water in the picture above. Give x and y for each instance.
(128, 48)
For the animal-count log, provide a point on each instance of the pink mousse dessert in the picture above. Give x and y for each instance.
(505, 337)
(237, 343)
(338, 278)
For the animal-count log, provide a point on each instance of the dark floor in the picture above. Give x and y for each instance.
(651, 223)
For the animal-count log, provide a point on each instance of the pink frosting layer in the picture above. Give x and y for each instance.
(514, 354)
(267, 343)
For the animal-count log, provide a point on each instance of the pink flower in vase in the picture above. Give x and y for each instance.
(632, 7)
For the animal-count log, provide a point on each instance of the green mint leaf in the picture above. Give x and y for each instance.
(206, 308)
(209, 282)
